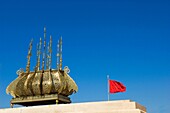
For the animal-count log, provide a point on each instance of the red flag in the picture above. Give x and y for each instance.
(116, 86)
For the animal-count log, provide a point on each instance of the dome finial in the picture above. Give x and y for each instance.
(29, 57)
(44, 53)
(50, 52)
(58, 55)
(61, 53)
(38, 55)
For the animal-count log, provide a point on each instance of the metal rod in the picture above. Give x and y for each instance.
(39, 53)
(29, 57)
(50, 52)
(48, 56)
(36, 67)
(60, 53)
(44, 53)
(108, 87)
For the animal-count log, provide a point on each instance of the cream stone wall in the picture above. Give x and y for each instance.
(119, 106)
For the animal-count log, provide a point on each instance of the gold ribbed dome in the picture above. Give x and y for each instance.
(43, 81)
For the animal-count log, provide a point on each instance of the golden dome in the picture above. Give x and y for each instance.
(44, 81)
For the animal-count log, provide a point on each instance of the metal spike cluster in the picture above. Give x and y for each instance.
(46, 54)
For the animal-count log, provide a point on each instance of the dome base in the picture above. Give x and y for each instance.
(41, 100)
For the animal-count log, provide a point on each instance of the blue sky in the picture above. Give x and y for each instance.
(129, 40)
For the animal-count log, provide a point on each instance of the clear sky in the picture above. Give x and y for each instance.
(129, 40)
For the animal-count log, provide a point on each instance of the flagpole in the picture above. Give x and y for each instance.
(108, 87)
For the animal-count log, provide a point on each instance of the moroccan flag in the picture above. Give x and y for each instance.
(116, 86)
